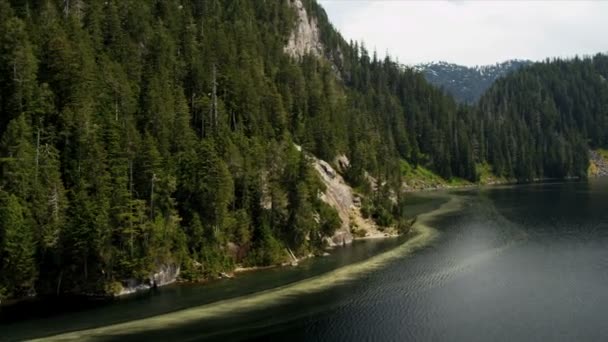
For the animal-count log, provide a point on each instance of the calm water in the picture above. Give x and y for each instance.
(515, 263)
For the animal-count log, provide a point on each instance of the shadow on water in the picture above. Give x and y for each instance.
(515, 263)
(53, 316)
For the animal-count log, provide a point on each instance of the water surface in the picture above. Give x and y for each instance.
(513, 263)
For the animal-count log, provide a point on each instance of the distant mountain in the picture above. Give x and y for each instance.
(467, 84)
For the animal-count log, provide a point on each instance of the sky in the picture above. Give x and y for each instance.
(473, 32)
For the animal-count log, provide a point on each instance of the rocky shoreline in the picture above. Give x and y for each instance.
(341, 197)
(598, 164)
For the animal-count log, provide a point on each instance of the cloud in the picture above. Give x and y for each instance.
(473, 32)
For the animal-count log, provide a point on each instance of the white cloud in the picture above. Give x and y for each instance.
(473, 32)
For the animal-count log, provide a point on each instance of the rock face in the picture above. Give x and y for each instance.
(341, 197)
(305, 37)
(598, 164)
(338, 195)
(165, 275)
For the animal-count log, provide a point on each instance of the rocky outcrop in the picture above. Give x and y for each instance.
(304, 39)
(165, 275)
(598, 164)
(338, 195)
(341, 197)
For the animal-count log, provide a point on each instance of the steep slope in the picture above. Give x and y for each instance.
(140, 136)
(467, 84)
(304, 39)
(555, 111)
(144, 139)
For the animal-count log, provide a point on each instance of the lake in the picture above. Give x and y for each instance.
(504, 263)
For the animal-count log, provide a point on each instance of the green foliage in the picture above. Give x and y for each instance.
(267, 250)
(550, 113)
(139, 134)
(17, 245)
(419, 174)
(329, 220)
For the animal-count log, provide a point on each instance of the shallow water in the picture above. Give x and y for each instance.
(512, 263)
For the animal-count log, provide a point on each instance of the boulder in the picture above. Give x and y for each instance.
(165, 275)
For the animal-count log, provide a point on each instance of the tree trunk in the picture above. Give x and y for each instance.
(59, 282)
(214, 94)
(37, 156)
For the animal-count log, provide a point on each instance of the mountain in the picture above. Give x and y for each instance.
(541, 120)
(467, 84)
(144, 141)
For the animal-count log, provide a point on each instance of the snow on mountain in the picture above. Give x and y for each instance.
(466, 84)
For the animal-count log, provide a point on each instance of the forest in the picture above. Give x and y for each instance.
(541, 121)
(138, 134)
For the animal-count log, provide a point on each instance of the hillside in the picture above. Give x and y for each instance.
(144, 141)
(556, 111)
(467, 84)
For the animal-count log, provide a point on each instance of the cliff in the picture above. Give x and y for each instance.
(304, 39)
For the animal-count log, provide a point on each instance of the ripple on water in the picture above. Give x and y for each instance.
(424, 234)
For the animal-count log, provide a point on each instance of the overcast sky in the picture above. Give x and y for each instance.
(473, 32)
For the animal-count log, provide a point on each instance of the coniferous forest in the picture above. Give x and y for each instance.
(136, 134)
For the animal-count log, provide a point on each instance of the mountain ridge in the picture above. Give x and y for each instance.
(138, 137)
(467, 84)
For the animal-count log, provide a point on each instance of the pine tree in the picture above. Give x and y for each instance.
(17, 247)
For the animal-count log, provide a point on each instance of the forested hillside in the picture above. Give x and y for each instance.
(467, 84)
(142, 134)
(541, 121)
(137, 135)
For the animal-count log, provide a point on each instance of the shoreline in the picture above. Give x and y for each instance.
(379, 235)
(497, 184)
(232, 274)
(241, 269)
(423, 235)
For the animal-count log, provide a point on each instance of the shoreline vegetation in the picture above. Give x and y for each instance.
(598, 168)
(145, 141)
(426, 182)
(241, 269)
(487, 180)
(422, 235)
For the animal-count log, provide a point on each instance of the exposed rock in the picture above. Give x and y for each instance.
(233, 250)
(166, 274)
(304, 39)
(338, 195)
(327, 169)
(266, 199)
(343, 163)
(357, 201)
(224, 275)
(373, 182)
(341, 197)
(131, 285)
(598, 164)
